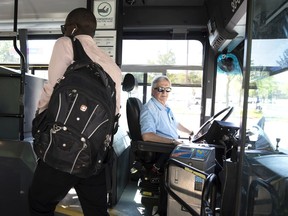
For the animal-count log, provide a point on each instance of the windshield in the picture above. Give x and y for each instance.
(268, 93)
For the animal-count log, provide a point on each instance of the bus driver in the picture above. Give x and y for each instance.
(157, 121)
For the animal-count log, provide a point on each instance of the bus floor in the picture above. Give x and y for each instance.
(129, 204)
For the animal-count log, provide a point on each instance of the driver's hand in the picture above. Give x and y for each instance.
(191, 135)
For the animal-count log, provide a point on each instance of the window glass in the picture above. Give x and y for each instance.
(40, 51)
(229, 86)
(268, 94)
(181, 61)
(266, 140)
(8, 55)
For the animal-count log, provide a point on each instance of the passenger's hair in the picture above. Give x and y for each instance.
(158, 79)
(84, 19)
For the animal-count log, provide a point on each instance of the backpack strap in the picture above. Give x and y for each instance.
(78, 50)
(80, 54)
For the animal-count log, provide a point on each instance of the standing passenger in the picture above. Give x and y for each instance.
(49, 185)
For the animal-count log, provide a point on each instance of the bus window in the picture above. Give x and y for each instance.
(181, 61)
(268, 93)
(39, 52)
(8, 55)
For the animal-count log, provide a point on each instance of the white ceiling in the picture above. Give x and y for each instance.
(47, 15)
(36, 14)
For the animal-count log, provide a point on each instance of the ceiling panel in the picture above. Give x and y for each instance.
(36, 14)
(163, 2)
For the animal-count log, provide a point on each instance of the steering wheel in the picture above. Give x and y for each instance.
(221, 116)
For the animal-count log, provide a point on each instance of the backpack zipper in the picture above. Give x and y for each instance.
(77, 156)
(98, 127)
(89, 119)
(59, 107)
(54, 129)
(73, 104)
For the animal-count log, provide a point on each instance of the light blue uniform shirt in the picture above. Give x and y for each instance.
(158, 119)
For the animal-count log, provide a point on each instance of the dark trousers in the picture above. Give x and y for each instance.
(50, 186)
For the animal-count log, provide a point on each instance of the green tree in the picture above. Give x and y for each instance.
(283, 62)
(267, 87)
(169, 58)
(164, 59)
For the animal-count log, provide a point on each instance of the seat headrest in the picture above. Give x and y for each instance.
(128, 83)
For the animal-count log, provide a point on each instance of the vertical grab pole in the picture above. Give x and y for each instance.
(23, 71)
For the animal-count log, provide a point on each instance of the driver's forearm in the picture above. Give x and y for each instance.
(152, 137)
(184, 129)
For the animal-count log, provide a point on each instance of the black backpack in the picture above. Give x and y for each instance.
(74, 134)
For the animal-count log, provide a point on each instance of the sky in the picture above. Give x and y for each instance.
(141, 51)
(267, 52)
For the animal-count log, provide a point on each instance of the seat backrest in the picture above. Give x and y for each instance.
(133, 109)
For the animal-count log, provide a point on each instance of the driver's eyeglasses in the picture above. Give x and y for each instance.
(162, 89)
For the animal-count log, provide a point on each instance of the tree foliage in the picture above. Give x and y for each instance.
(164, 59)
(179, 77)
(269, 87)
(283, 62)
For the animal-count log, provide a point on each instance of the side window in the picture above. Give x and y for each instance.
(39, 52)
(8, 55)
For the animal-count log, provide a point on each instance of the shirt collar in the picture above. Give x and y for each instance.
(158, 104)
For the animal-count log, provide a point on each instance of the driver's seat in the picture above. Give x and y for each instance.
(133, 109)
